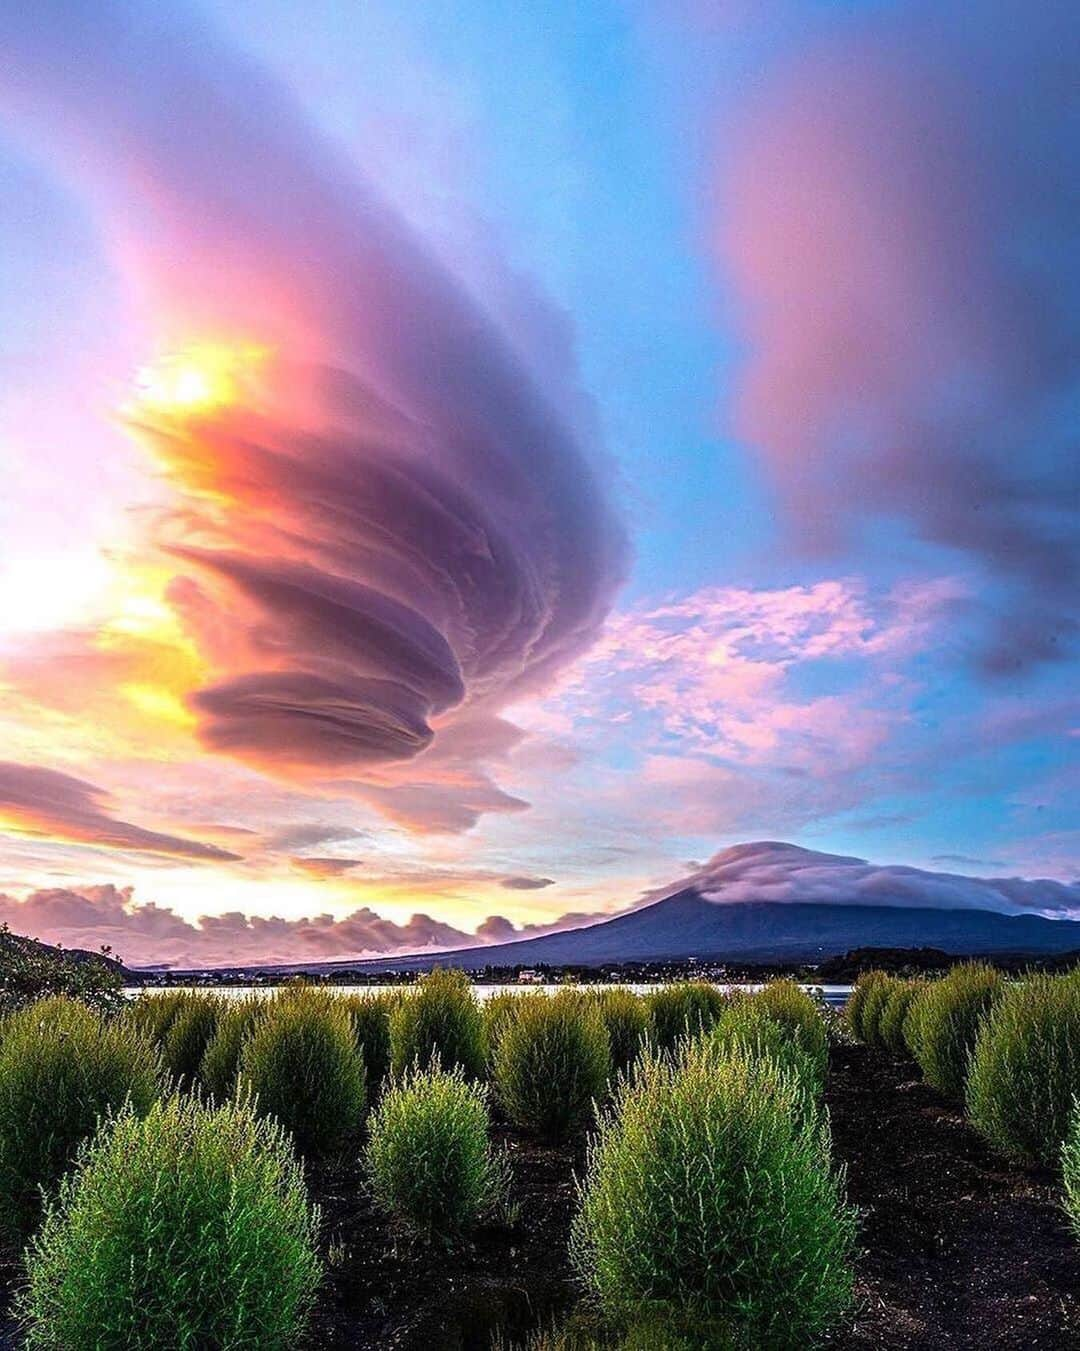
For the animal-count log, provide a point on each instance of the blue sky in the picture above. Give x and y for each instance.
(796, 283)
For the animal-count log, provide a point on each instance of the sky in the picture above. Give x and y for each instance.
(467, 466)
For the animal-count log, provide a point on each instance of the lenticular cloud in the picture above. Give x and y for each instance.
(385, 525)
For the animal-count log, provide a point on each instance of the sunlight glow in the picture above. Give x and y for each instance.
(198, 378)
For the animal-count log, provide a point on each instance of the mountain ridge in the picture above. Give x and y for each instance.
(686, 925)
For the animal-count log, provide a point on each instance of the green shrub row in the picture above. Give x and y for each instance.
(183, 1215)
(1010, 1051)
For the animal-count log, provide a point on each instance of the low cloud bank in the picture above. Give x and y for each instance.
(771, 871)
(145, 934)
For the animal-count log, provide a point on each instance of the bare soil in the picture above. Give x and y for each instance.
(959, 1248)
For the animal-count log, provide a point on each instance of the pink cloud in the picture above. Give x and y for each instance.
(46, 803)
(145, 934)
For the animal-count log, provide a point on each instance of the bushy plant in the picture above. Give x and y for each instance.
(892, 1019)
(300, 1065)
(1024, 1074)
(747, 1028)
(1070, 1168)
(873, 1010)
(441, 1021)
(185, 1229)
(428, 1154)
(864, 986)
(62, 1068)
(800, 1016)
(221, 1059)
(708, 1202)
(950, 1013)
(683, 1009)
(153, 1012)
(552, 1060)
(31, 971)
(188, 1034)
(498, 1010)
(626, 1020)
(370, 1016)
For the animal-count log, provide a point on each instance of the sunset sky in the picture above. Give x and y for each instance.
(466, 464)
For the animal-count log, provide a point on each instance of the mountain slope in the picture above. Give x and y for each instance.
(686, 925)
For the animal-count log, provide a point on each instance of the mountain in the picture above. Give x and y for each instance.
(687, 925)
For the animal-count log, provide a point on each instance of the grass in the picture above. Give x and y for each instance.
(552, 1060)
(187, 1229)
(429, 1157)
(707, 1204)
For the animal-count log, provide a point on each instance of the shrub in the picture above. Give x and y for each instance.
(221, 1059)
(370, 1017)
(626, 1020)
(441, 1021)
(1070, 1167)
(31, 971)
(747, 1028)
(552, 1059)
(950, 1012)
(1024, 1074)
(188, 1228)
(707, 1202)
(683, 1009)
(799, 1015)
(498, 1010)
(187, 1036)
(860, 993)
(894, 1011)
(428, 1155)
(152, 1014)
(61, 1069)
(301, 1066)
(873, 1010)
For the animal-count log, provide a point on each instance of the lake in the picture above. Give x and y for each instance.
(833, 995)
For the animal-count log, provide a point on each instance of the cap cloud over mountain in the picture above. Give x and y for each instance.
(769, 870)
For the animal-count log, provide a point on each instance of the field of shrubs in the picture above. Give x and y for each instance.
(543, 1172)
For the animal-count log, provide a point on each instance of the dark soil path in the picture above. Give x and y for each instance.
(961, 1249)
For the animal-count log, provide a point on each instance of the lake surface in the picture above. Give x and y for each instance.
(833, 995)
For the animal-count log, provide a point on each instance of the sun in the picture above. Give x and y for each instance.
(198, 378)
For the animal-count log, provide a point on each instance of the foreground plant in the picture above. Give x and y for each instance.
(1070, 1168)
(62, 1068)
(552, 1060)
(708, 1204)
(747, 1029)
(1025, 1069)
(428, 1155)
(948, 1016)
(186, 1229)
(800, 1017)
